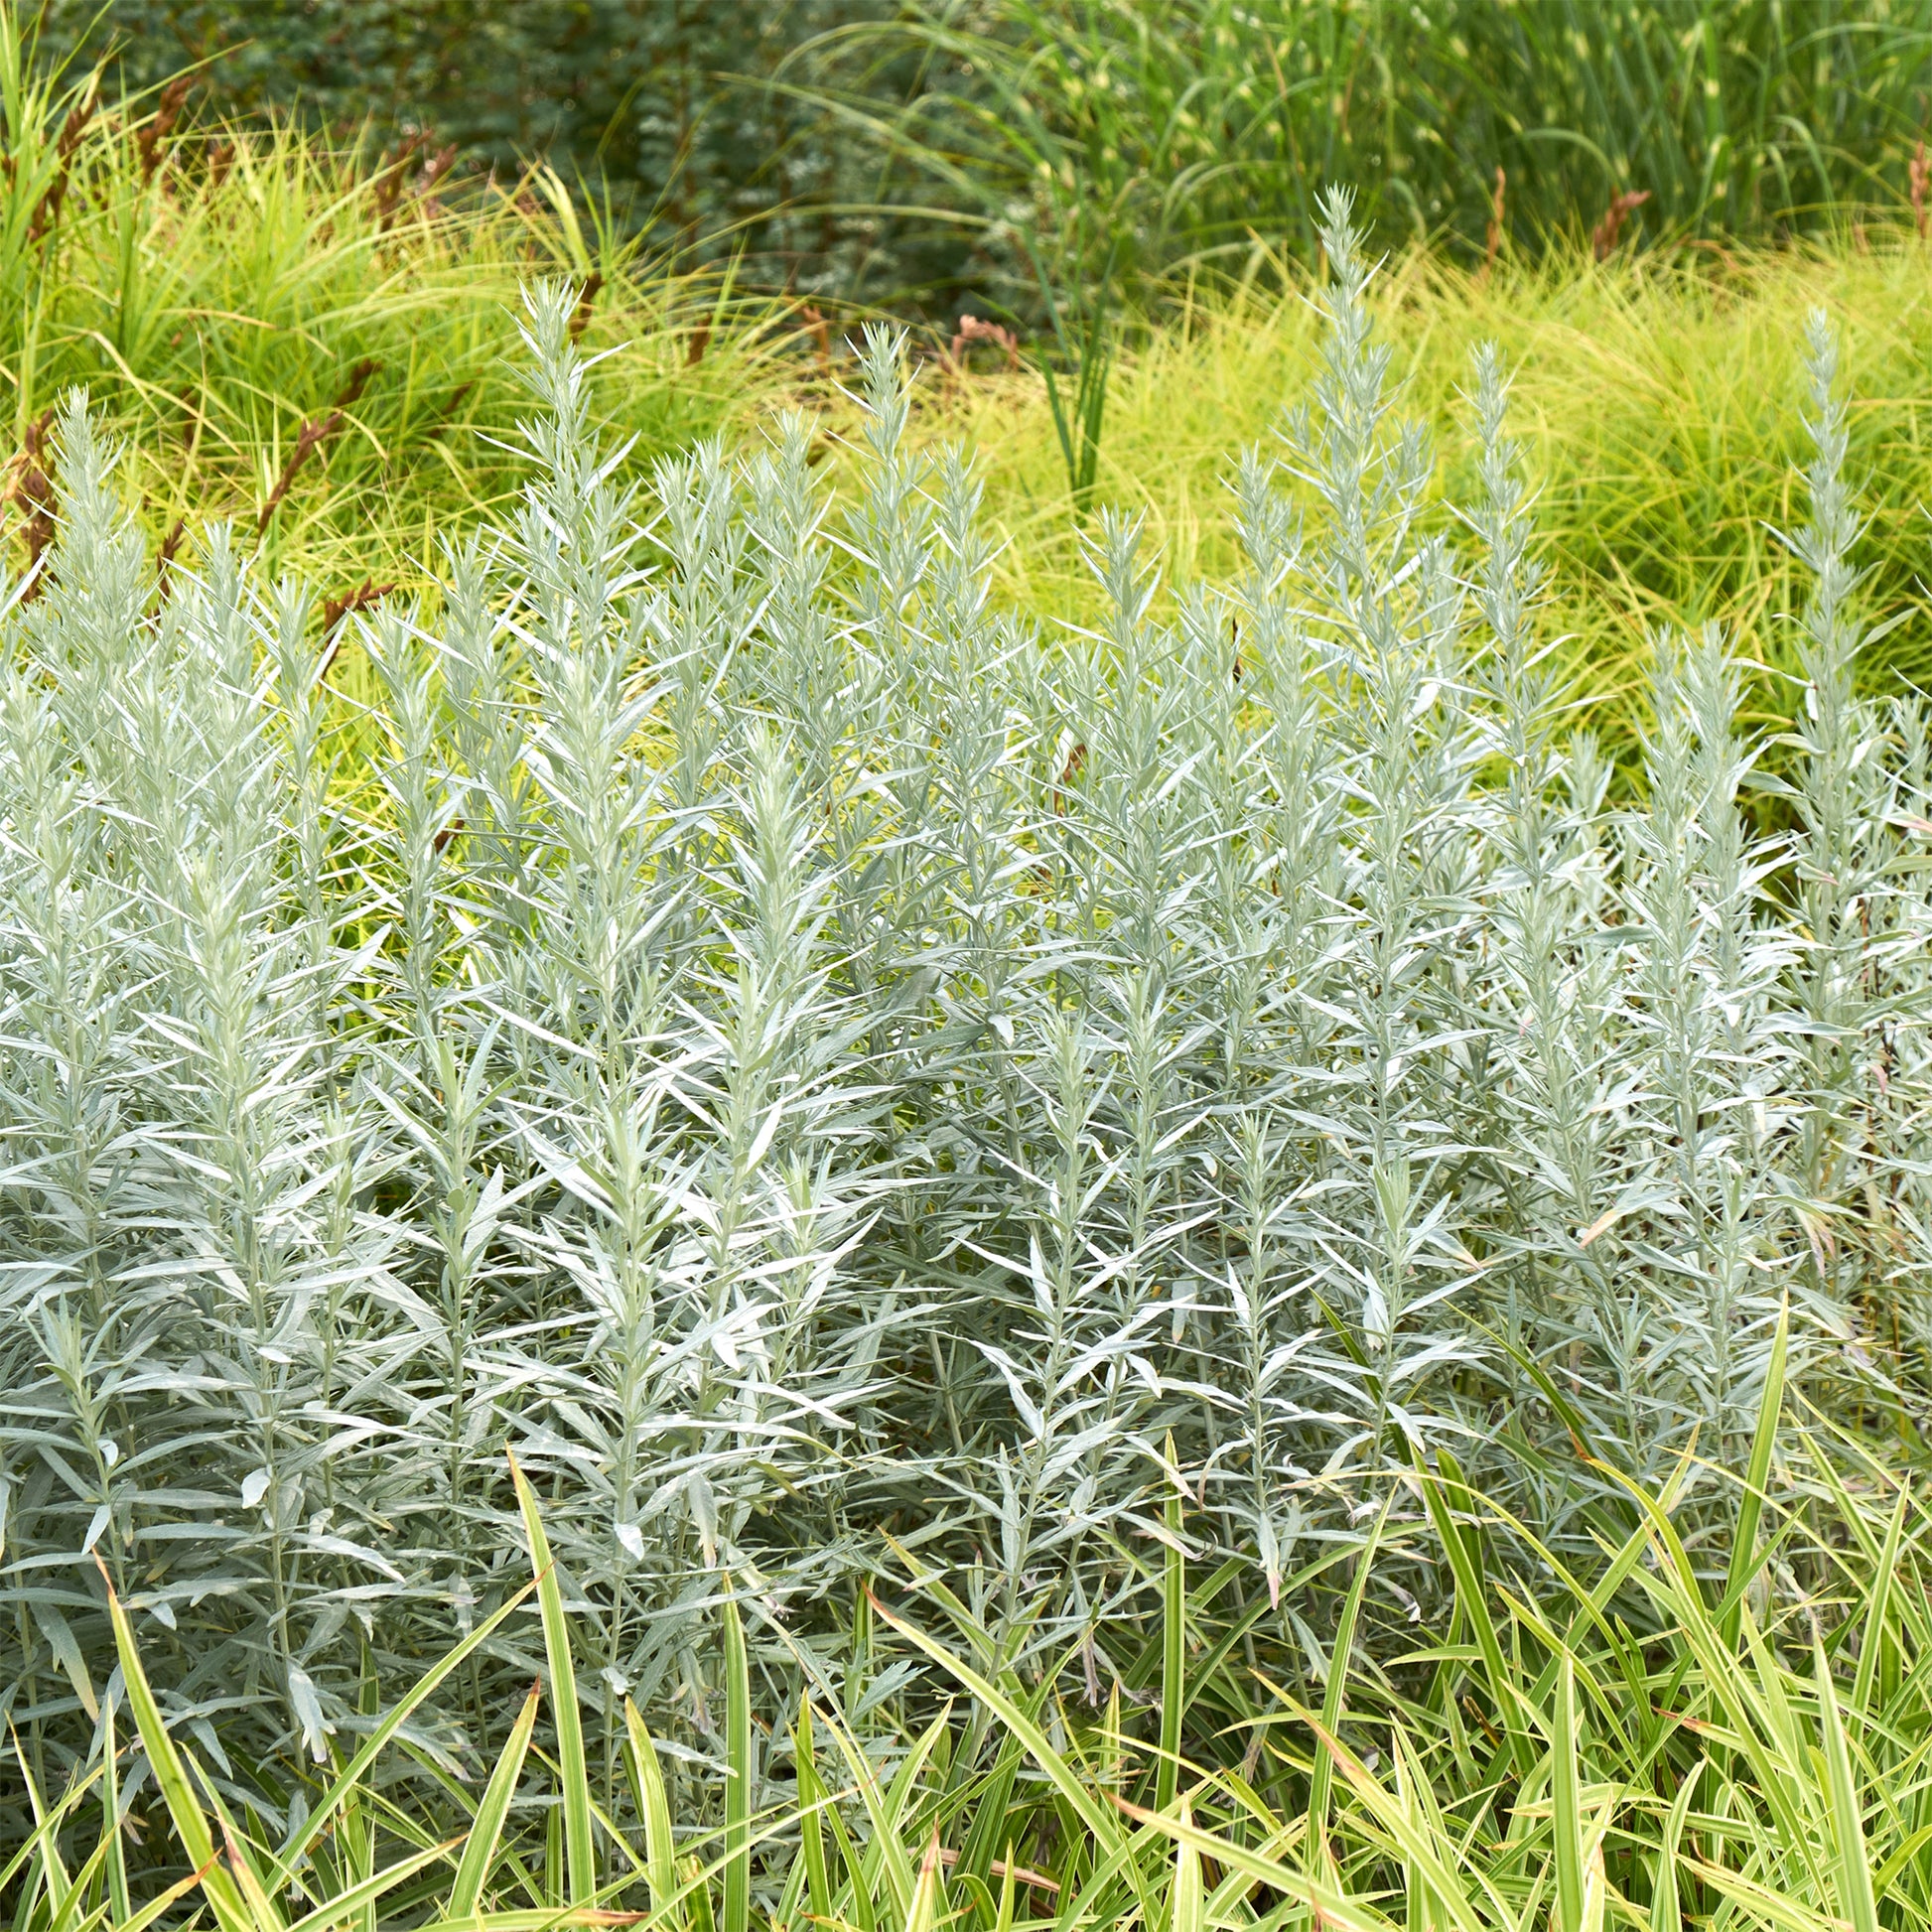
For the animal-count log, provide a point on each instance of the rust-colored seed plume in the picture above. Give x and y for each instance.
(1493, 243)
(438, 165)
(1608, 231)
(1075, 764)
(47, 212)
(976, 329)
(313, 434)
(31, 490)
(335, 608)
(151, 142)
(820, 332)
(447, 414)
(579, 318)
(388, 187)
(164, 560)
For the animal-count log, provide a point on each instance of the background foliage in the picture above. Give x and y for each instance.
(837, 1083)
(938, 148)
(1197, 132)
(653, 1026)
(659, 102)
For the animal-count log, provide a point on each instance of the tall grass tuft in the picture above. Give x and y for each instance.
(309, 342)
(1195, 134)
(1765, 1771)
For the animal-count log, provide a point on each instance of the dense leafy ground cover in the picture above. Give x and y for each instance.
(1201, 1160)
(1210, 1211)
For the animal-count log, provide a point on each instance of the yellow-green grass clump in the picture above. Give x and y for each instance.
(318, 345)
(1654, 397)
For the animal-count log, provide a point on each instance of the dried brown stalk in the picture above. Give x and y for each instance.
(581, 316)
(47, 212)
(151, 140)
(1918, 174)
(1608, 231)
(1021, 1874)
(312, 434)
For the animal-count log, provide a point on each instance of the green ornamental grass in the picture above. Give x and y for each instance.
(313, 343)
(1651, 403)
(1110, 142)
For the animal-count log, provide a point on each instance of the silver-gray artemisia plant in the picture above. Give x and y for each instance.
(841, 1084)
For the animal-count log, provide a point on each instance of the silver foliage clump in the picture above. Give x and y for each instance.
(832, 1079)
